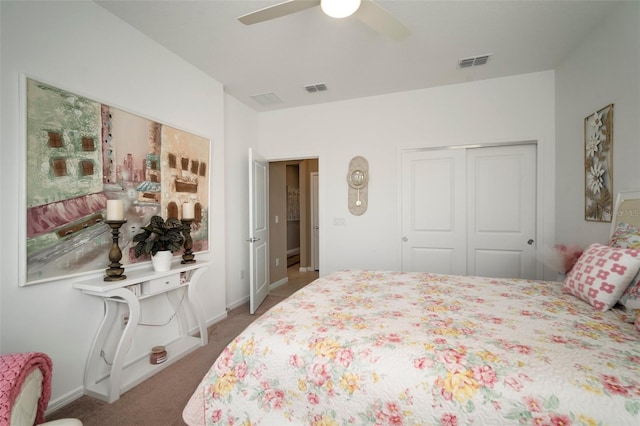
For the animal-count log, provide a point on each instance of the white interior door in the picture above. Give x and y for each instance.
(258, 231)
(433, 212)
(470, 211)
(315, 224)
(501, 207)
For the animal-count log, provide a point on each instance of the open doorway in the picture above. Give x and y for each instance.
(291, 253)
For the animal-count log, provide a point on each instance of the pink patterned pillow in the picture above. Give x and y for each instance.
(602, 274)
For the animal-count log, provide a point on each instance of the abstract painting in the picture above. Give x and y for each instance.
(81, 153)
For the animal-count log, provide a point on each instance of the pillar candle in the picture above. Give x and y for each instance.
(115, 210)
(187, 211)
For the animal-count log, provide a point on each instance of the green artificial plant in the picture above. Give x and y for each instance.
(159, 235)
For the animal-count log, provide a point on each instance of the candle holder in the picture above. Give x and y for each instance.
(188, 256)
(115, 270)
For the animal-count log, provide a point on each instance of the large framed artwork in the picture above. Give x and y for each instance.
(598, 165)
(81, 153)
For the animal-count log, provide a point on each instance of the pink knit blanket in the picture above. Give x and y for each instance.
(14, 369)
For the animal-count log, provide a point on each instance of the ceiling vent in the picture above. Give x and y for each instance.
(266, 99)
(313, 88)
(474, 61)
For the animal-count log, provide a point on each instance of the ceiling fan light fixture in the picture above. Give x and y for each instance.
(339, 8)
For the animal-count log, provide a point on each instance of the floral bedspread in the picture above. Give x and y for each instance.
(391, 348)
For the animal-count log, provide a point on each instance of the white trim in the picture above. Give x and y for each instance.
(278, 283)
(236, 304)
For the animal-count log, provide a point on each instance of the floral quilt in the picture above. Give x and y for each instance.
(391, 348)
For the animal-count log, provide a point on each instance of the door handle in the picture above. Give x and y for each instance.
(253, 240)
(530, 242)
(405, 239)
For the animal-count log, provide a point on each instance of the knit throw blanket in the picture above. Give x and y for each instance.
(14, 369)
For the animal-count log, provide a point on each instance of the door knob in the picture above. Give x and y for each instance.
(405, 239)
(530, 242)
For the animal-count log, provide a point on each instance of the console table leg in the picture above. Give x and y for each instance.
(195, 305)
(125, 341)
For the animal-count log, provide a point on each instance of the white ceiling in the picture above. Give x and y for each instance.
(282, 56)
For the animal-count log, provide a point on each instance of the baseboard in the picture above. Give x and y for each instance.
(214, 320)
(293, 252)
(278, 283)
(58, 403)
(238, 303)
(246, 299)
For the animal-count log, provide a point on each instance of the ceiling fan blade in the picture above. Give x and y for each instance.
(381, 21)
(277, 11)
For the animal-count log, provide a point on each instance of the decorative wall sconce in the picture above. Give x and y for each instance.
(358, 180)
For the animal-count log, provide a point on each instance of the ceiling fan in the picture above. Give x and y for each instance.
(367, 11)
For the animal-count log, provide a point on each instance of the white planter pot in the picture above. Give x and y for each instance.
(162, 261)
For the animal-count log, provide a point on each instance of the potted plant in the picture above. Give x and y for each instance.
(160, 239)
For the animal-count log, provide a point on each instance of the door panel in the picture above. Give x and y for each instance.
(502, 211)
(433, 217)
(470, 211)
(498, 263)
(258, 231)
(438, 261)
(315, 223)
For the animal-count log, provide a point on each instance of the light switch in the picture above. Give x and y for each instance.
(277, 219)
(339, 221)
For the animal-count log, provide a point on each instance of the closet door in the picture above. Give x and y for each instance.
(469, 211)
(501, 206)
(433, 211)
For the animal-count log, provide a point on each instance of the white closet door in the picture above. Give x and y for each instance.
(501, 209)
(470, 211)
(433, 211)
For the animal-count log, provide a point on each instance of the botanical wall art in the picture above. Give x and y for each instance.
(598, 165)
(81, 153)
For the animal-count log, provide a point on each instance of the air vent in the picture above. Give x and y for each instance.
(473, 61)
(313, 88)
(266, 99)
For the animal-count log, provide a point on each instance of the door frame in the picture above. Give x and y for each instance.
(544, 230)
(320, 186)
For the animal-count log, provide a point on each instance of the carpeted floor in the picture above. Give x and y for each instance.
(159, 401)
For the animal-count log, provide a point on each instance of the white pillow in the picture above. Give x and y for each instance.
(602, 274)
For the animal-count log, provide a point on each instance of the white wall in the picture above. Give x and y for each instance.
(241, 133)
(510, 109)
(604, 69)
(80, 47)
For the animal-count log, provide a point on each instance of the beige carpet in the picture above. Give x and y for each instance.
(160, 399)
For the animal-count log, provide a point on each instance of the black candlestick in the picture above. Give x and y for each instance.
(115, 270)
(188, 256)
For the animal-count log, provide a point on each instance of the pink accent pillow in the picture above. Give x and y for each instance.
(602, 274)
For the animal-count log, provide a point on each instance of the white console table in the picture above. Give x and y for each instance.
(147, 283)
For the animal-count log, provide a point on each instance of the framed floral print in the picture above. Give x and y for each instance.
(598, 165)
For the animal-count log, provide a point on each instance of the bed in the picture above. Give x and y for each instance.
(392, 348)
